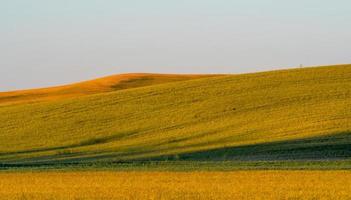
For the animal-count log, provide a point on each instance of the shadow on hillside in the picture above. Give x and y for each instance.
(133, 83)
(331, 147)
(66, 148)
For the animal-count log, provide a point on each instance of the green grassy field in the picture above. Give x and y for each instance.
(288, 115)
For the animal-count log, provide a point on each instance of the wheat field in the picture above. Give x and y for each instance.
(288, 119)
(176, 185)
(278, 115)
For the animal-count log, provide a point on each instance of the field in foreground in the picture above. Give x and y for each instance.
(176, 185)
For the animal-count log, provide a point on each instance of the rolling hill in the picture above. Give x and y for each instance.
(298, 114)
(101, 85)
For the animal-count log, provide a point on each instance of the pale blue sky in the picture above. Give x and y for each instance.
(50, 42)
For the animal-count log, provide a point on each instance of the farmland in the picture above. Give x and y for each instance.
(176, 185)
(271, 135)
(300, 114)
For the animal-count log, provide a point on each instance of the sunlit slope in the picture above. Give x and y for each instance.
(289, 114)
(106, 84)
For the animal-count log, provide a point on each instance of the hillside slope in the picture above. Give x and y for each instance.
(278, 115)
(101, 85)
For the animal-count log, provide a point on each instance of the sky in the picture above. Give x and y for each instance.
(53, 42)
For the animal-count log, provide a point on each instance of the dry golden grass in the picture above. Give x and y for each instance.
(101, 85)
(176, 185)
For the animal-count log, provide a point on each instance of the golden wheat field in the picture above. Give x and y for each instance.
(176, 185)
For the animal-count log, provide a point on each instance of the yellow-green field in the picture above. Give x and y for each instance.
(101, 85)
(299, 114)
(147, 136)
(263, 185)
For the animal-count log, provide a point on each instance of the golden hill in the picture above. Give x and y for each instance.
(101, 85)
(279, 115)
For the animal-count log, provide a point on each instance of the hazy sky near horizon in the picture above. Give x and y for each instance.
(51, 42)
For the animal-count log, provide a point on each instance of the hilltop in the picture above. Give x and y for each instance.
(101, 85)
(298, 114)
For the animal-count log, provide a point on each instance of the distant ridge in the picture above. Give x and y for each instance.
(100, 85)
